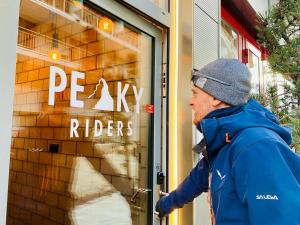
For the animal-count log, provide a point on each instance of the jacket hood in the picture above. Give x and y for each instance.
(222, 125)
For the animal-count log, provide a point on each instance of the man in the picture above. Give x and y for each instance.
(251, 175)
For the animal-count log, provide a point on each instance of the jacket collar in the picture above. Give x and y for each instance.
(209, 127)
(222, 125)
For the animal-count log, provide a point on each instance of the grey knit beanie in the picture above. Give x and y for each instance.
(228, 80)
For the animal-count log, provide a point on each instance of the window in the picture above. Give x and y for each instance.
(229, 41)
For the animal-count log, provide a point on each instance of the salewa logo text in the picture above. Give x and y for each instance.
(266, 197)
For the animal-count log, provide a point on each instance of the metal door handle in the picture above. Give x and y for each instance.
(140, 190)
(162, 193)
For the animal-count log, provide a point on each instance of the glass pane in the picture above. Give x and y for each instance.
(229, 41)
(81, 121)
(253, 66)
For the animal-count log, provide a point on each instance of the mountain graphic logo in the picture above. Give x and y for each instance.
(106, 102)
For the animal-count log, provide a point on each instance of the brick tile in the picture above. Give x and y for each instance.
(19, 67)
(59, 187)
(43, 96)
(19, 201)
(26, 87)
(46, 84)
(89, 63)
(37, 85)
(30, 121)
(38, 63)
(29, 143)
(21, 99)
(22, 120)
(33, 75)
(89, 35)
(33, 156)
(65, 174)
(59, 159)
(110, 45)
(113, 73)
(28, 167)
(92, 77)
(45, 158)
(47, 133)
(96, 47)
(43, 121)
(28, 65)
(51, 199)
(106, 60)
(60, 133)
(55, 120)
(23, 132)
(13, 153)
(15, 188)
(78, 52)
(26, 191)
(22, 155)
(43, 209)
(18, 142)
(18, 89)
(68, 147)
(22, 77)
(85, 148)
(38, 195)
(42, 144)
(34, 132)
(36, 220)
(44, 73)
(30, 205)
(65, 203)
(21, 178)
(32, 97)
(57, 214)
(126, 56)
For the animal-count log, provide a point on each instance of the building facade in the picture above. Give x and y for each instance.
(95, 117)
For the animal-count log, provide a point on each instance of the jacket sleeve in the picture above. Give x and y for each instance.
(192, 186)
(266, 183)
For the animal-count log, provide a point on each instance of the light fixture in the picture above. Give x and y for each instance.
(106, 24)
(54, 54)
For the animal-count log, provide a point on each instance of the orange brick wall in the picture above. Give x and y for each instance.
(39, 185)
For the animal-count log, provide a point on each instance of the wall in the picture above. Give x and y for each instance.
(9, 11)
(206, 48)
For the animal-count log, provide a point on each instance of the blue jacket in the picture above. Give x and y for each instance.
(255, 176)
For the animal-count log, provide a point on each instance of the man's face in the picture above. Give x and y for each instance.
(201, 103)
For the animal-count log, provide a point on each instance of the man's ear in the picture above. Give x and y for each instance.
(216, 103)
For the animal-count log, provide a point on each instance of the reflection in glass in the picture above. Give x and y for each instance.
(229, 41)
(253, 66)
(78, 158)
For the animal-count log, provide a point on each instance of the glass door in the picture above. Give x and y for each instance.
(86, 120)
